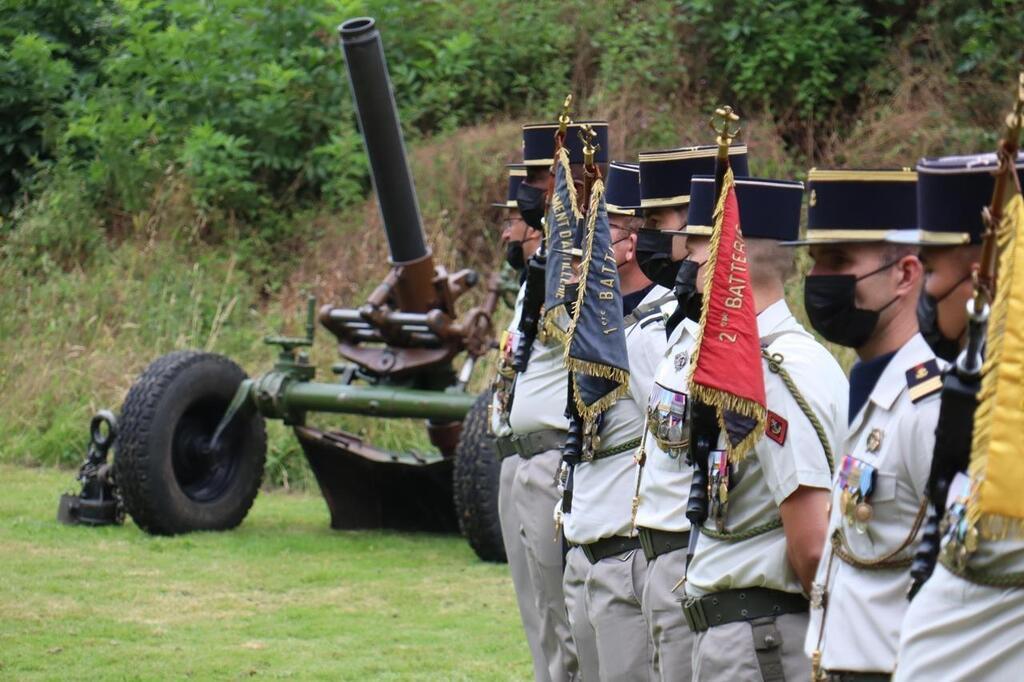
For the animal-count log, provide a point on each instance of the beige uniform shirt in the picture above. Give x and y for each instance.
(538, 401)
(665, 480)
(499, 427)
(603, 489)
(894, 433)
(773, 471)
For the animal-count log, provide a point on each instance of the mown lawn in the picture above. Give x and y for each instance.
(281, 597)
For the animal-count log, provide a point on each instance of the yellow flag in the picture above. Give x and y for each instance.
(996, 506)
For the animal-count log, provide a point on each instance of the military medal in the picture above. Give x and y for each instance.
(667, 420)
(679, 361)
(857, 482)
(875, 440)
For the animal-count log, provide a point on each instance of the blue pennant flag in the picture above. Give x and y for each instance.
(595, 349)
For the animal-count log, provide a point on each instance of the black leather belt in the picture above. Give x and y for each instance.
(529, 444)
(606, 547)
(732, 606)
(657, 542)
(857, 676)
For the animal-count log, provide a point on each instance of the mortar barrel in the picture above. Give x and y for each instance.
(382, 136)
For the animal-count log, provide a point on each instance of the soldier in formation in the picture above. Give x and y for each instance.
(800, 567)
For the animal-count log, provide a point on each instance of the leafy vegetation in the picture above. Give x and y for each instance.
(179, 172)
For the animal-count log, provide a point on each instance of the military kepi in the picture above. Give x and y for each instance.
(769, 209)
(951, 192)
(539, 142)
(665, 175)
(516, 175)
(854, 205)
(622, 189)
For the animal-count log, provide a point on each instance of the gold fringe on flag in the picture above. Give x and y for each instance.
(996, 505)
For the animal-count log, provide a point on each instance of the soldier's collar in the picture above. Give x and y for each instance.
(772, 318)
(894, 379)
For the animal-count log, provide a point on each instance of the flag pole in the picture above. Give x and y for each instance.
(704, 427)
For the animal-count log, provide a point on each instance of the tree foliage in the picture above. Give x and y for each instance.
(247, 100)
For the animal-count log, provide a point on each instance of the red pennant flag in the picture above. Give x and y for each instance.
(727, 372)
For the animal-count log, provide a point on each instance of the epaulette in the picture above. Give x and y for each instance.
(924, 380)
(657, 316)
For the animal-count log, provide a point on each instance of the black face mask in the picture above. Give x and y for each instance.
(928, 321)
(654, 256)
(530, 201)
(690, 300)
(831, 308)
(515, 256)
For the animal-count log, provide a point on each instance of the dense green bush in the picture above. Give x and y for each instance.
(247, 100)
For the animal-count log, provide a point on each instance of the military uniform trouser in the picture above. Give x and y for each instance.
(518, 567)
(663, 611)
(604, 598)
(956, 630)
(534, 494)
(740, 651)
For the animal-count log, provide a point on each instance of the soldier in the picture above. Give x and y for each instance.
(759, 547)
(521, 242)
(519, 238)
(604, 569)
(538, 426)
(965, 622)
(664, 476)
(862, 293)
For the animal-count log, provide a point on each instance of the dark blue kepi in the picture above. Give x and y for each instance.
(951, 193)
(516, 175)
(769, 209)
(622, 190)
(665, 175)
(858, 205)
(539, 142)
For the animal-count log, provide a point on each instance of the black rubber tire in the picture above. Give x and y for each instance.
(176, 403)
(477, 475)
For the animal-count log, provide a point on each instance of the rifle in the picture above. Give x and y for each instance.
(960, 386)
(704, 427)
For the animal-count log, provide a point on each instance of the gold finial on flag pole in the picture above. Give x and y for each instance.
(724, 123)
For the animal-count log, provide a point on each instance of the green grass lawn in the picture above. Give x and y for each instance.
(281, 597)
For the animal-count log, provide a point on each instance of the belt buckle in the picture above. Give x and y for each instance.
(693, 610)
(519, 444)
(589, 553)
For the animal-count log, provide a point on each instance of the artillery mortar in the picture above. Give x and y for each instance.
(191, 441)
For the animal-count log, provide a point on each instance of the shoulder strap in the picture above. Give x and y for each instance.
(775, 366)
(645, 309)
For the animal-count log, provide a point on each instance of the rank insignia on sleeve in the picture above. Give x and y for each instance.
(924, 380)
(775, 427)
